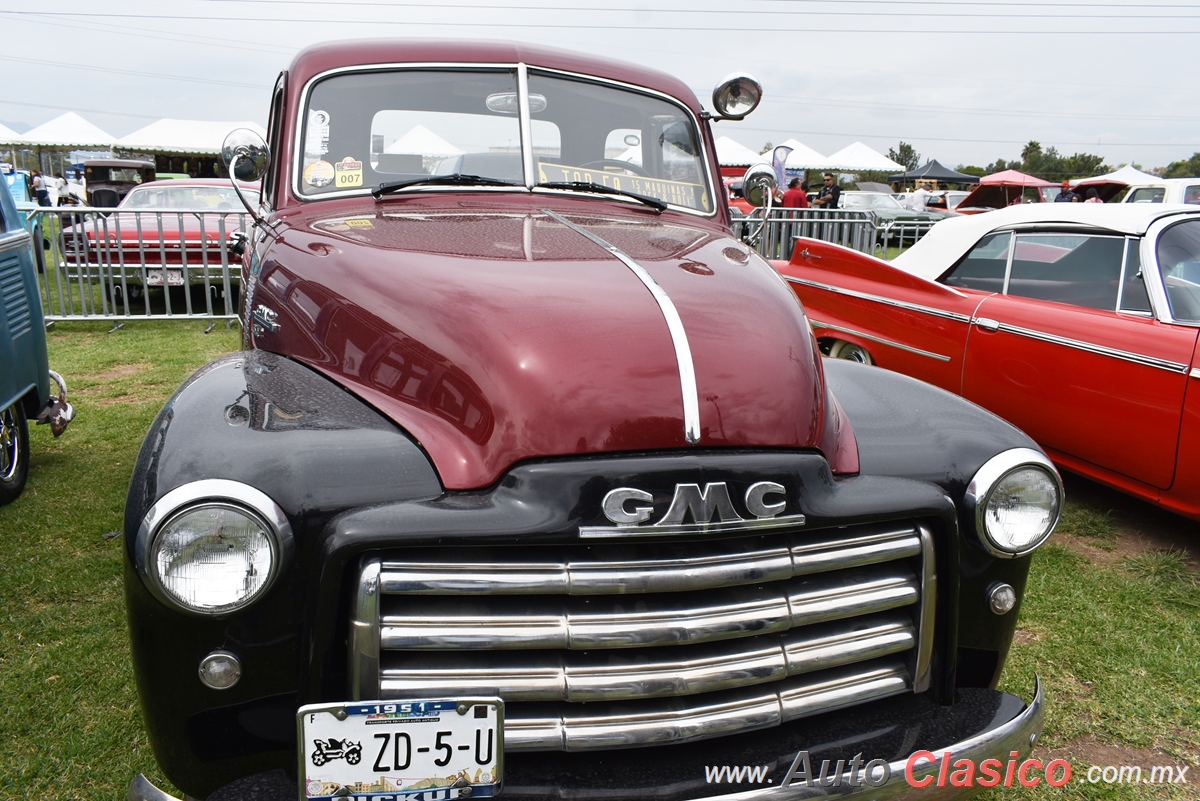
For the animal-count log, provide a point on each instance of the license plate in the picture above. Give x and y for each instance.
(402, 750)
(155, 277)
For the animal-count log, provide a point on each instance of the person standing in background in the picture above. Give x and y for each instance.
(917, 202)
(1065, 195)
(40, 190)
(796, 196)
(828, 197)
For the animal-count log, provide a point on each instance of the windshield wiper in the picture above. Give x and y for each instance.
(452, 179)
(592, 186)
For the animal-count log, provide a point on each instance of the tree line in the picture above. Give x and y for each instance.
(1048, 163)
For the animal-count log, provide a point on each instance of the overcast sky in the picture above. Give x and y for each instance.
(963, 82)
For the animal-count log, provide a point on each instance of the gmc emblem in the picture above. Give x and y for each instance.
(694, 511)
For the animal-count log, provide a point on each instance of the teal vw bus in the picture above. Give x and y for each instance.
(25, 375)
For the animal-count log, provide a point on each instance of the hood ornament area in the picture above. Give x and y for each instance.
(694, 511)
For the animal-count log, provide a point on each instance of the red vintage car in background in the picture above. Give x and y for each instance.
(1076, 322)
(175, 228)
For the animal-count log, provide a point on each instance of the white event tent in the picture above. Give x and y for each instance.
(66, 131)
(803, 157)
(860, 158)
(731, 153)
(421, 141)
(200, 137)
(1126, 175)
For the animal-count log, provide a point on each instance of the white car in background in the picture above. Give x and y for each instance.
(1166, 190)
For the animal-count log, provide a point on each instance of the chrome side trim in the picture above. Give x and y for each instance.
(1195, 373)
(1123, 355)
(880, 340)
(900, 304)
(736, 712)
(683, 351)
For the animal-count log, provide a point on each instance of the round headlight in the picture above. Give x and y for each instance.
(1016, 499)
(213, 557)
(212, 547)
(736, 96)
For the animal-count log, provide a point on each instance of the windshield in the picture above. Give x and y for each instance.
(879, 202)
(151, 196)
(364, 129)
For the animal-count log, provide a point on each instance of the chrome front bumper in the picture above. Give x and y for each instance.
(1018, 734)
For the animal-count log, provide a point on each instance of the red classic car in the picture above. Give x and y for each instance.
(172, 225)
(1076, 322)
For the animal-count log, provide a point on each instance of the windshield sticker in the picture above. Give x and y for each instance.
(318, 174)
(349, 172)
(676, 193)
(316, 138)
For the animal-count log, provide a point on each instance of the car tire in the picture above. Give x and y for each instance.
(14, 452)
(850, 352)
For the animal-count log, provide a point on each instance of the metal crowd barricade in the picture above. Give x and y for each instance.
(854, 229)
(104, 263)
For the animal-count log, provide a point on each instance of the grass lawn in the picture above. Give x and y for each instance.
(1111, 621)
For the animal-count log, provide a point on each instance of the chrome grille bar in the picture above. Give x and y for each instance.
(502, 576)
(740, 711)
(597, 646)
(666, 672)
(438, 625)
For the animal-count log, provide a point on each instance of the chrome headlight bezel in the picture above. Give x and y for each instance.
(244, 499)
(989, 477)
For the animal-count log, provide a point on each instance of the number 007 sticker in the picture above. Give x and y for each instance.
(349, 172)
(418, 750)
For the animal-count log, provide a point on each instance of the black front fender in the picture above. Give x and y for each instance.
(315, 450)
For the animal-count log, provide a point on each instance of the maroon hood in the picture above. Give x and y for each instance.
(494, 337)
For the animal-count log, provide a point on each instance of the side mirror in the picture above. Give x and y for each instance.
(246, 155)
(759, 185)
(736, 96)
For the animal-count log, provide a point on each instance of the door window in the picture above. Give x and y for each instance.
(984, 267)
(1134, 297)
(1079, 270)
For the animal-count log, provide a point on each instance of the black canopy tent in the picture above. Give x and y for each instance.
(933, 171)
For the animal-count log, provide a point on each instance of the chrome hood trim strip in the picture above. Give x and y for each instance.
(683, 351)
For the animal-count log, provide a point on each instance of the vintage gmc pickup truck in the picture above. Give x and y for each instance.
(530, 480)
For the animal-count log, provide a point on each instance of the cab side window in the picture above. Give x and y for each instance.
(1150, 194)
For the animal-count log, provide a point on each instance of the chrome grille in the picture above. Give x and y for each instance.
(612, 645)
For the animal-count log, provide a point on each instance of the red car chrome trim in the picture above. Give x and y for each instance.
(880, 340)
(683, 351)
(1159, 364)
(962, 318)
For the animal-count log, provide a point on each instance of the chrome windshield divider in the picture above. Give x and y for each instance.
(526, 121)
